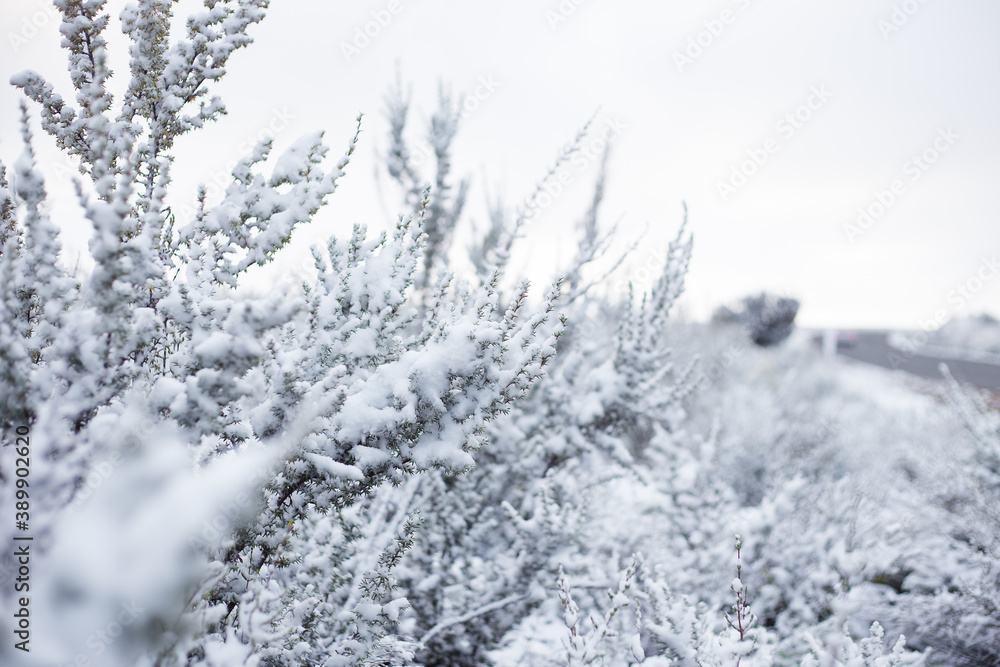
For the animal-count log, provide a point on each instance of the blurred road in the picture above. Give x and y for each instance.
(873, 347)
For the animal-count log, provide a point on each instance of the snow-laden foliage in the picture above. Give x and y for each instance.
(839, 525)
(963, 620)
(498, 536)
(197, 455)
(544, 505)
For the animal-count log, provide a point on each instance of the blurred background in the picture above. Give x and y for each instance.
(844, 154)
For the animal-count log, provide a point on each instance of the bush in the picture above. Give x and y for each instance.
(767, 319)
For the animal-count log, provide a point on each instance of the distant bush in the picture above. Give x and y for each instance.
(977, 333)
(768, 319)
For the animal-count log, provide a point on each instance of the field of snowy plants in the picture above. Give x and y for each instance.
(394, 465)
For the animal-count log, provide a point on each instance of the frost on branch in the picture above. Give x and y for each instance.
(167, 80)
(257, 215)
(586, 643)
(441, 213)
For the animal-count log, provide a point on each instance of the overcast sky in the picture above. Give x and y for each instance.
(774, 120)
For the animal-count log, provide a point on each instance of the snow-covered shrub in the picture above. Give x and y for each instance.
(545, 502)
(662, 630)
(589, 637)
(496, 537)
(824, 470)
(962, 621)
(200, 457)
(687, 634)
(820, 530)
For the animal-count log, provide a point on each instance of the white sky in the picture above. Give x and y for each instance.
(685, 131)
